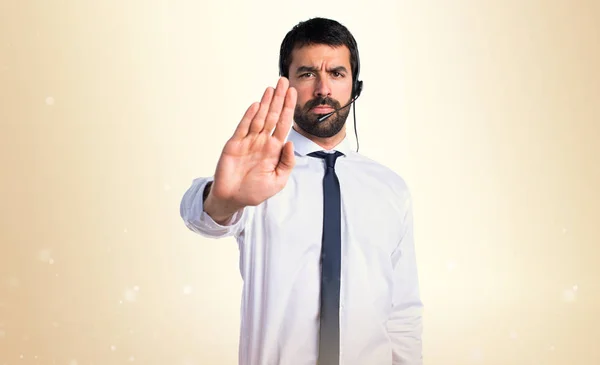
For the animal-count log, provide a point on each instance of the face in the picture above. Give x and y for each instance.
(322, 76)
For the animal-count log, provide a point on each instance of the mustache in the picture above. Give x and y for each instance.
(322, 101)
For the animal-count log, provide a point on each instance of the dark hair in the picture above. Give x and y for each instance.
(318, 31)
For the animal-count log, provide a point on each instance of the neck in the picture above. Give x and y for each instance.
(326, 143)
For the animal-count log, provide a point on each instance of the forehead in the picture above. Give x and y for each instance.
(317, 54)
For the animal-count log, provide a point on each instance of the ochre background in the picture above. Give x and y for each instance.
(108, 109)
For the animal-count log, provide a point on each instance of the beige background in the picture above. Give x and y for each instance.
(489, 109)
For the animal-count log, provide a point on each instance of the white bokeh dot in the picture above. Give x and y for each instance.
(187, 290)
(131, 358)
(50, 100)
(113, 348)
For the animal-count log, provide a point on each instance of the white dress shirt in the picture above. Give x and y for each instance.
(280, 244)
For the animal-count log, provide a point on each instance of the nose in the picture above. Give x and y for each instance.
(323, 87)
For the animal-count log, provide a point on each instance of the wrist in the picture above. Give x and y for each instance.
(219, 210)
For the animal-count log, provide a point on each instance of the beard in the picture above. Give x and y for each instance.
(307, 120)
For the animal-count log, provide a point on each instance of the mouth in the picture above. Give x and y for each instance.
(322, 109)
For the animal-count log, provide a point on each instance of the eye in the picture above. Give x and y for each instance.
(305, 75)
(338, 74)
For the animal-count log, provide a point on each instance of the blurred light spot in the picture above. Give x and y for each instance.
(450, 265)
(136, 288)
(187, 290)
(130, 295)
(513, 335)
(2, 334)
(131, 358)
(476, 355)
(13, 282)
(569, 296)
(551, 348)
(125, 230)
(113, 348)
(44, 255)
(575, 287)
(73, 362)
(167, 187)
(49, 100)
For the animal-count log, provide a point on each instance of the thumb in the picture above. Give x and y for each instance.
(287, 159)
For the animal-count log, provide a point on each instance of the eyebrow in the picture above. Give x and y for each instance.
(302, 69)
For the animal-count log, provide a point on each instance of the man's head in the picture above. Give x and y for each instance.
(320, 58)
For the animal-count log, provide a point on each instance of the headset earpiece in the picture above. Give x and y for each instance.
(357, 89)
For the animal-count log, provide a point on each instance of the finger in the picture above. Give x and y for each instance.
(276, 104)
(243, 127)
(259, 119)
(287, 115)
(286, 161)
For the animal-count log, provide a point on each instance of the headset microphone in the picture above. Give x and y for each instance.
(323, 117)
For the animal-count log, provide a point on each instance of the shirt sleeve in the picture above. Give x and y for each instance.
(405, 323)
(198, 221)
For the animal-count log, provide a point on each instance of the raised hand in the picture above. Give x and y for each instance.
(255, 163)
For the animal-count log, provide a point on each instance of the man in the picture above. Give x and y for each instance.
(325, 238)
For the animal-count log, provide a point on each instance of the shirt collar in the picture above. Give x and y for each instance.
(303, 146)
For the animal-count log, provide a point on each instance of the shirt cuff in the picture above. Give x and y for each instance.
(197, 220)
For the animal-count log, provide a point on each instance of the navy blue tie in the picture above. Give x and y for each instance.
(329, 334)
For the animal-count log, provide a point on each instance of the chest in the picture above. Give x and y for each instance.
(371, 211)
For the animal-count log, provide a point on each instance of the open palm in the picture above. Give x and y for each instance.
(256, 162)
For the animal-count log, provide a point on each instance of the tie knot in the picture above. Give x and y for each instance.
(328, 157)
